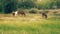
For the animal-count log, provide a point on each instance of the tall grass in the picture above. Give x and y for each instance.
(31, 24)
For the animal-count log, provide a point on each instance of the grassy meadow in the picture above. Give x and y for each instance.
(31, 24)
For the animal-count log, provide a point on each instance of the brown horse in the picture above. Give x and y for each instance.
(22, 13)
(18, 13)
(44, 15)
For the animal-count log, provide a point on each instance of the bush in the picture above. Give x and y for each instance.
(33, 12)
(56, 13)
(46, 11)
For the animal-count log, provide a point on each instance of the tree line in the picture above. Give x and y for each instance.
(7, 6)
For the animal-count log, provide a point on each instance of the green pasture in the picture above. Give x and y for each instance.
(31, 24)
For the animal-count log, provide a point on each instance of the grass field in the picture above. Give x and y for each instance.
(31, 24)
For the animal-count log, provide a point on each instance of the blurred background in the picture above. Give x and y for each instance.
(7, 6)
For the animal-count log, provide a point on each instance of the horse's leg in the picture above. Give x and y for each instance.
(42, 16)
(13, 14)
(45, 16)
(23, 14)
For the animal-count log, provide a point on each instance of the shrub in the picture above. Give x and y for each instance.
(33, 12)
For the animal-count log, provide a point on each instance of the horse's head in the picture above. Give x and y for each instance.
(15, 13)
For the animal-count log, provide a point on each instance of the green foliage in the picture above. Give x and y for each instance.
(26, 4)
(7, 6)
(33, 11)
(58, 3)
(29, 25)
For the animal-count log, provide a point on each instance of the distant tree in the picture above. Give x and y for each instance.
(11, 6)
(46, 4)
(58, 3)
(26, 4)
(8, 5)
(0, 8)
(53, 4)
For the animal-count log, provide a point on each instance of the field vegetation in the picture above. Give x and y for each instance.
(31, 24)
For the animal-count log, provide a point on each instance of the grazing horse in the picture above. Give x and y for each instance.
(44, 15)
(18, 13)
(22, 13)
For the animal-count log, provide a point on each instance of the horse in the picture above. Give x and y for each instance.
(15, 13)
(22, 13)
(44, 15)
